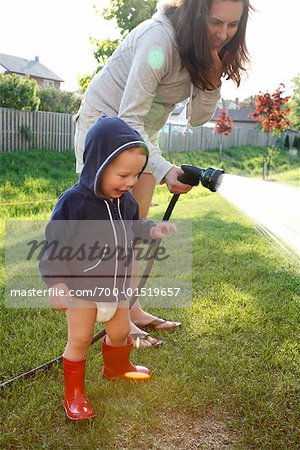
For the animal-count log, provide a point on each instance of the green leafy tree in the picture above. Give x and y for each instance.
(84, 80)
(55, 100)
(248, 102)
(103, 50)
(294, 103)
(18, 93)
(128, 14)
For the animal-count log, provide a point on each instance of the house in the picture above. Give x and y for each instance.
(229, 104)
(33, 68)
(240, 117)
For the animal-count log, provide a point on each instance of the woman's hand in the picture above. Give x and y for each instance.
(161, 230)
(175, 186)
(59, 297)
(218, 68)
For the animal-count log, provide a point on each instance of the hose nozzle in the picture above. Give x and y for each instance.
(210, 178)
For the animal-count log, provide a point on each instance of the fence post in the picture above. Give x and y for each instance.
(169, 137)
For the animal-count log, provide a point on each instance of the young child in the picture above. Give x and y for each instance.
(115, 156)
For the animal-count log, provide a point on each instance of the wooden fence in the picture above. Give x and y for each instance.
(21, 130)
(173, 138)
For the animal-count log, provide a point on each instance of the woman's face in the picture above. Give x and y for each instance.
(223, 21)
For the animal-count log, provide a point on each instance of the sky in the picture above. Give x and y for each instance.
(59, 33)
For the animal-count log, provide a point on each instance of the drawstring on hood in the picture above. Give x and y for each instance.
(189, 110)
(105, 140)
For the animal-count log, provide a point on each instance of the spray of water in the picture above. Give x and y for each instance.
(274, 208)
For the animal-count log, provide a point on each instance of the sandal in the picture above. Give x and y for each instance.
(155, 324)
(144, 336)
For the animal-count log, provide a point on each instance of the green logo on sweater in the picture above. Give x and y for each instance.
(156, 57)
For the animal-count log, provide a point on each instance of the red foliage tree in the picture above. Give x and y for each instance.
(223, 126)
(223, 123)
(271, 113)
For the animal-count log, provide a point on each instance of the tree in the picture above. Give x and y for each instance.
(294, 103)
(18, 93)
(271, 113)
(223, 126)
(248, 102)
(128, 14)
(55, 100)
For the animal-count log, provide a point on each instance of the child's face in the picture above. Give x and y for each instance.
(122, 173)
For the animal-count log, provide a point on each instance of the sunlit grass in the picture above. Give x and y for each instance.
(237, 355)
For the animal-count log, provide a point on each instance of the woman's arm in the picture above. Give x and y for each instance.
(152, 60)
(203, 105)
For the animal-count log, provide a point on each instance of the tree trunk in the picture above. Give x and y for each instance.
(221, 145)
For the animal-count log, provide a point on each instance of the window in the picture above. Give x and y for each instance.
(49, 83)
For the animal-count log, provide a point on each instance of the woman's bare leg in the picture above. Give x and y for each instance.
(143, 193)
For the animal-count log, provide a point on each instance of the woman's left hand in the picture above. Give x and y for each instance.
(218, 68)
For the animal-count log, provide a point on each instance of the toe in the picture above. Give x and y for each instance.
(168, 325)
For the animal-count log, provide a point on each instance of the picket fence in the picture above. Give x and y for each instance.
(22, 130)
(173, 138)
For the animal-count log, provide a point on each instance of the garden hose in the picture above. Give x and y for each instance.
(211, 179)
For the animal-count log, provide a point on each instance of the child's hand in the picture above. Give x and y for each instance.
(161, 230)
(59, 297)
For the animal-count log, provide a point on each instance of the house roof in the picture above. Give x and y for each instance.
(237, 115)
(23, 66)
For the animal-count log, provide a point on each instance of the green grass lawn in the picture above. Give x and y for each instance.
(229, 377)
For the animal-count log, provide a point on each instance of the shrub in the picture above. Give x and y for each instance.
(26, 132)
(18, 93)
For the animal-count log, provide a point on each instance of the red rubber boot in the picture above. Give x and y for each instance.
(76, 405)
(116, 363)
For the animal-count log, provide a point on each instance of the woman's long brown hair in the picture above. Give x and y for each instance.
(189, 19)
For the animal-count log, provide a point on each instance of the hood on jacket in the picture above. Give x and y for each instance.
(105, 140)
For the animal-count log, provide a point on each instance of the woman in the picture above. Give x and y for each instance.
(182, 52)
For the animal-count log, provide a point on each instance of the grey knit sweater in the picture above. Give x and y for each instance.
(142, 82)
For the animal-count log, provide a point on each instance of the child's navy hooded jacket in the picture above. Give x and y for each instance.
(83, 254)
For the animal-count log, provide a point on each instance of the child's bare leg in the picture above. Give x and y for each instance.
(118, 327)
(81, 322)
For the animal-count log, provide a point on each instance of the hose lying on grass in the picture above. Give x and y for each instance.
(211, 179)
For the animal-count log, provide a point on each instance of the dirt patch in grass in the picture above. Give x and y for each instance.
(183, 431)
